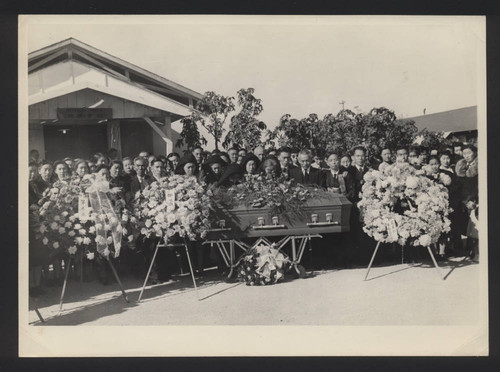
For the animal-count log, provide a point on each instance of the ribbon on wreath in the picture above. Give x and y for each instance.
(269, 259)
(105, 217)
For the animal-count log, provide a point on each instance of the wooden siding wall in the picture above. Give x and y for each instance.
(36, 141)
(84, 98)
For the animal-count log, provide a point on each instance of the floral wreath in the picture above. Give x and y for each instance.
(400, 204)
(263, 264)
(60, 225)
(175, 206)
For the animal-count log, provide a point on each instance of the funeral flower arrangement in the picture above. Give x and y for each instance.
(402, 205)
(440, 177)
(67, 223)
(175, 206)
(262, 265)
(276, 193)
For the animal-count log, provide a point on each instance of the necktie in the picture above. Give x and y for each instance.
(306, 176)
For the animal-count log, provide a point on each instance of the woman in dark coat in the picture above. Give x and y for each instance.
(231, 176)
(43, 181)
(216, 168)
(270, 167)
(467, 179)
(250, 163)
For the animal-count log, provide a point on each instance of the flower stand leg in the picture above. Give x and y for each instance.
(36, 309)
(149, 271)
(435, 263)
(192, 272)
(301, 272)
(371, 261)
(68, 266)
(117, 279)
(39, 315)
(81, 269)
(231, 258)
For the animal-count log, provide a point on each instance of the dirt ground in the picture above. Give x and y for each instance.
(399, 294)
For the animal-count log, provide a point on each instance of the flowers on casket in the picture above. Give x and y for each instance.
(400, 204)
(177, 205)
(277, 194)
(60, 225)
(262, 265)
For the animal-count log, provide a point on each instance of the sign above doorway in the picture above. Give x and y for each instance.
(84, 113)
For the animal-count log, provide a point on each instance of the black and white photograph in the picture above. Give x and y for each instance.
(252, 185)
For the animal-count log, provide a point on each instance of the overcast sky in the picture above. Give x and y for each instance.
(297, 65)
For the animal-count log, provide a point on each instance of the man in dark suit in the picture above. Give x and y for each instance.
(141, 179)
(362, 242)
(358, 170)
(157, 170)
(337, 181)
(335, 249)
(285, 162)
(305, 174)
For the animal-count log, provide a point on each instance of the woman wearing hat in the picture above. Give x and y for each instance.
(216, 167)
(187, 166)
(250, 163)
(231, 176)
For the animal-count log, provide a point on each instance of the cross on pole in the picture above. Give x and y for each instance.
(342, 103)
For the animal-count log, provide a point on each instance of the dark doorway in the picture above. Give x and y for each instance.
(74, 141)
(136, 136)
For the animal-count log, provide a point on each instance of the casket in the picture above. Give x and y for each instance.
(328, 214)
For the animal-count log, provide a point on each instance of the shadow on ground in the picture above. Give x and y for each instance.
(115, 305)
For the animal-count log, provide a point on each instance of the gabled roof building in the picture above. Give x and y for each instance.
(459, 124)
(83, 100)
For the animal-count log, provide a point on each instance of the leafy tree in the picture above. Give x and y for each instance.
(374, 130)
(245, 130)
(211, 113)
(430, 139)
(190, 135)
(401, 133)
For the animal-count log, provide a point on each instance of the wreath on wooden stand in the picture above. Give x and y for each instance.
(401, 205)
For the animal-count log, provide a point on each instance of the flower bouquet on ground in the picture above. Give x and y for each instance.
(262, 265)
(68, 224)
(175, 206)
(400, 204)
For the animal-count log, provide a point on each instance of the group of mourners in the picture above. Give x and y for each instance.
(336, 172)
